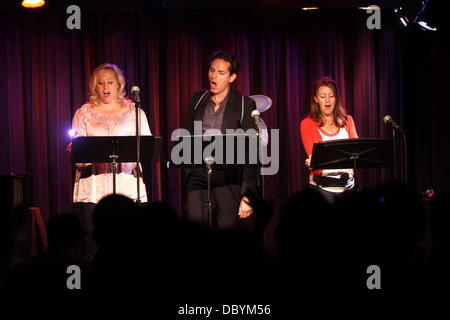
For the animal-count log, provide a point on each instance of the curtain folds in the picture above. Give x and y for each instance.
(45, 70)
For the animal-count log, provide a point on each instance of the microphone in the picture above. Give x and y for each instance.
(388, 120)
(256, 116)
(135, 91)
(209, 160)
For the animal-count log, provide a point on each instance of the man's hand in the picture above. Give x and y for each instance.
(245, 210)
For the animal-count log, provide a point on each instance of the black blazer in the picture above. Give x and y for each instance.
(245, 176)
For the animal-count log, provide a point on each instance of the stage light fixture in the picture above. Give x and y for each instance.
(404, 21)
(400, 12)
(424, 26)
(33, 3)
(310, 8)
(421, 22)
(419, 19)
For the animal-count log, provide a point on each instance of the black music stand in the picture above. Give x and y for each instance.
(114, 149)
(235, 150)
(352, 154)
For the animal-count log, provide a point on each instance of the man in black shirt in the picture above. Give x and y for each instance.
(232, 189)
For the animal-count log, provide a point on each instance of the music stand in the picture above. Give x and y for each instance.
(352, 153)
(115, 149)
(217, 151)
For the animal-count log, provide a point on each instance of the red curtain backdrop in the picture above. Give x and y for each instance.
(45, 70)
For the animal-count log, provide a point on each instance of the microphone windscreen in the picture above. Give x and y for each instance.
(209, 160)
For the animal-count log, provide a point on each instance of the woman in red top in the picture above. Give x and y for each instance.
(327, 121)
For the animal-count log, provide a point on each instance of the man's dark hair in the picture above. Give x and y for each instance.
(228, 57)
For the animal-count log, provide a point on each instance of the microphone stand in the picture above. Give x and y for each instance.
(137, 105)
(388, 120)
(395, 154)
(209, 162)
(258, 129)
(114, 158)
(406, 157)
(405, 172)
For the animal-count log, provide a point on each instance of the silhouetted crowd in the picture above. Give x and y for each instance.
(323, 251)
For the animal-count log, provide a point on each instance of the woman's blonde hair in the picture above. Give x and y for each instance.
(93, 98)
(339, 114)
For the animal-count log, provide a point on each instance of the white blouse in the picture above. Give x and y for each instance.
(94, 181)
(335, 173)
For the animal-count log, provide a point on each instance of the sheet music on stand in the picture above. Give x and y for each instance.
(99, 149)
(352, 153)
(114, 149)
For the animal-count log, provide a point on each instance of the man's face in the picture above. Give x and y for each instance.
(219, 76)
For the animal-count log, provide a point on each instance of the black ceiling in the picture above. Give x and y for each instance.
(58, 6)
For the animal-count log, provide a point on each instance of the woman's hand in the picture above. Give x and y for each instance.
(308, 163)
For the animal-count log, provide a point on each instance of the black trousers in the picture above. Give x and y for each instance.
(225, 202)
(84, 212)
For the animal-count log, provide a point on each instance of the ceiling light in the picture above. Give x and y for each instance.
(33, 3)
(372, 7)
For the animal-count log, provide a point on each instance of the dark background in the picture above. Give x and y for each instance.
(163, 46)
